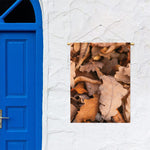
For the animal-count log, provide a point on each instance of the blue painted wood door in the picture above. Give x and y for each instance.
(17, 90)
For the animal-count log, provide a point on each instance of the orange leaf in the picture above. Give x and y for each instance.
(89, 110)
(80, 88)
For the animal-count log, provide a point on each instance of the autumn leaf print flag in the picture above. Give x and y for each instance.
(100, 82)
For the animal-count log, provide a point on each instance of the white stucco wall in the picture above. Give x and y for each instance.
(97, 21)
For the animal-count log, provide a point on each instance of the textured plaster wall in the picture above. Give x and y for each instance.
(97, 21)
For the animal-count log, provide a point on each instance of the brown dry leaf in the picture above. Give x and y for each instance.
(95, 53)
(111, 94)
(89, 110)
(114, 55)
(77, 47)
(72, 73)
(99, 73)
(114, 46)
(90, 67)
(118, 118)
(84, 53)
(79, 88)
(73, 111)
(122, 57)
(127, 109)
(85, 79)
(109, 65)
(103, 50)
(91, 88)
(123, 74)
(125, 48)
(105, 55)
(86, 74)
(74, 56)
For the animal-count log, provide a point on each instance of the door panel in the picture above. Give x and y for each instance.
(17, 145)
(19, 121)
(15, 67)
(17, 90)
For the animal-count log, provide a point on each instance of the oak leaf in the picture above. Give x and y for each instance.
(111, 94)
(89, 110)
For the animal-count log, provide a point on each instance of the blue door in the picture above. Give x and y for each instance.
(18, 91)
